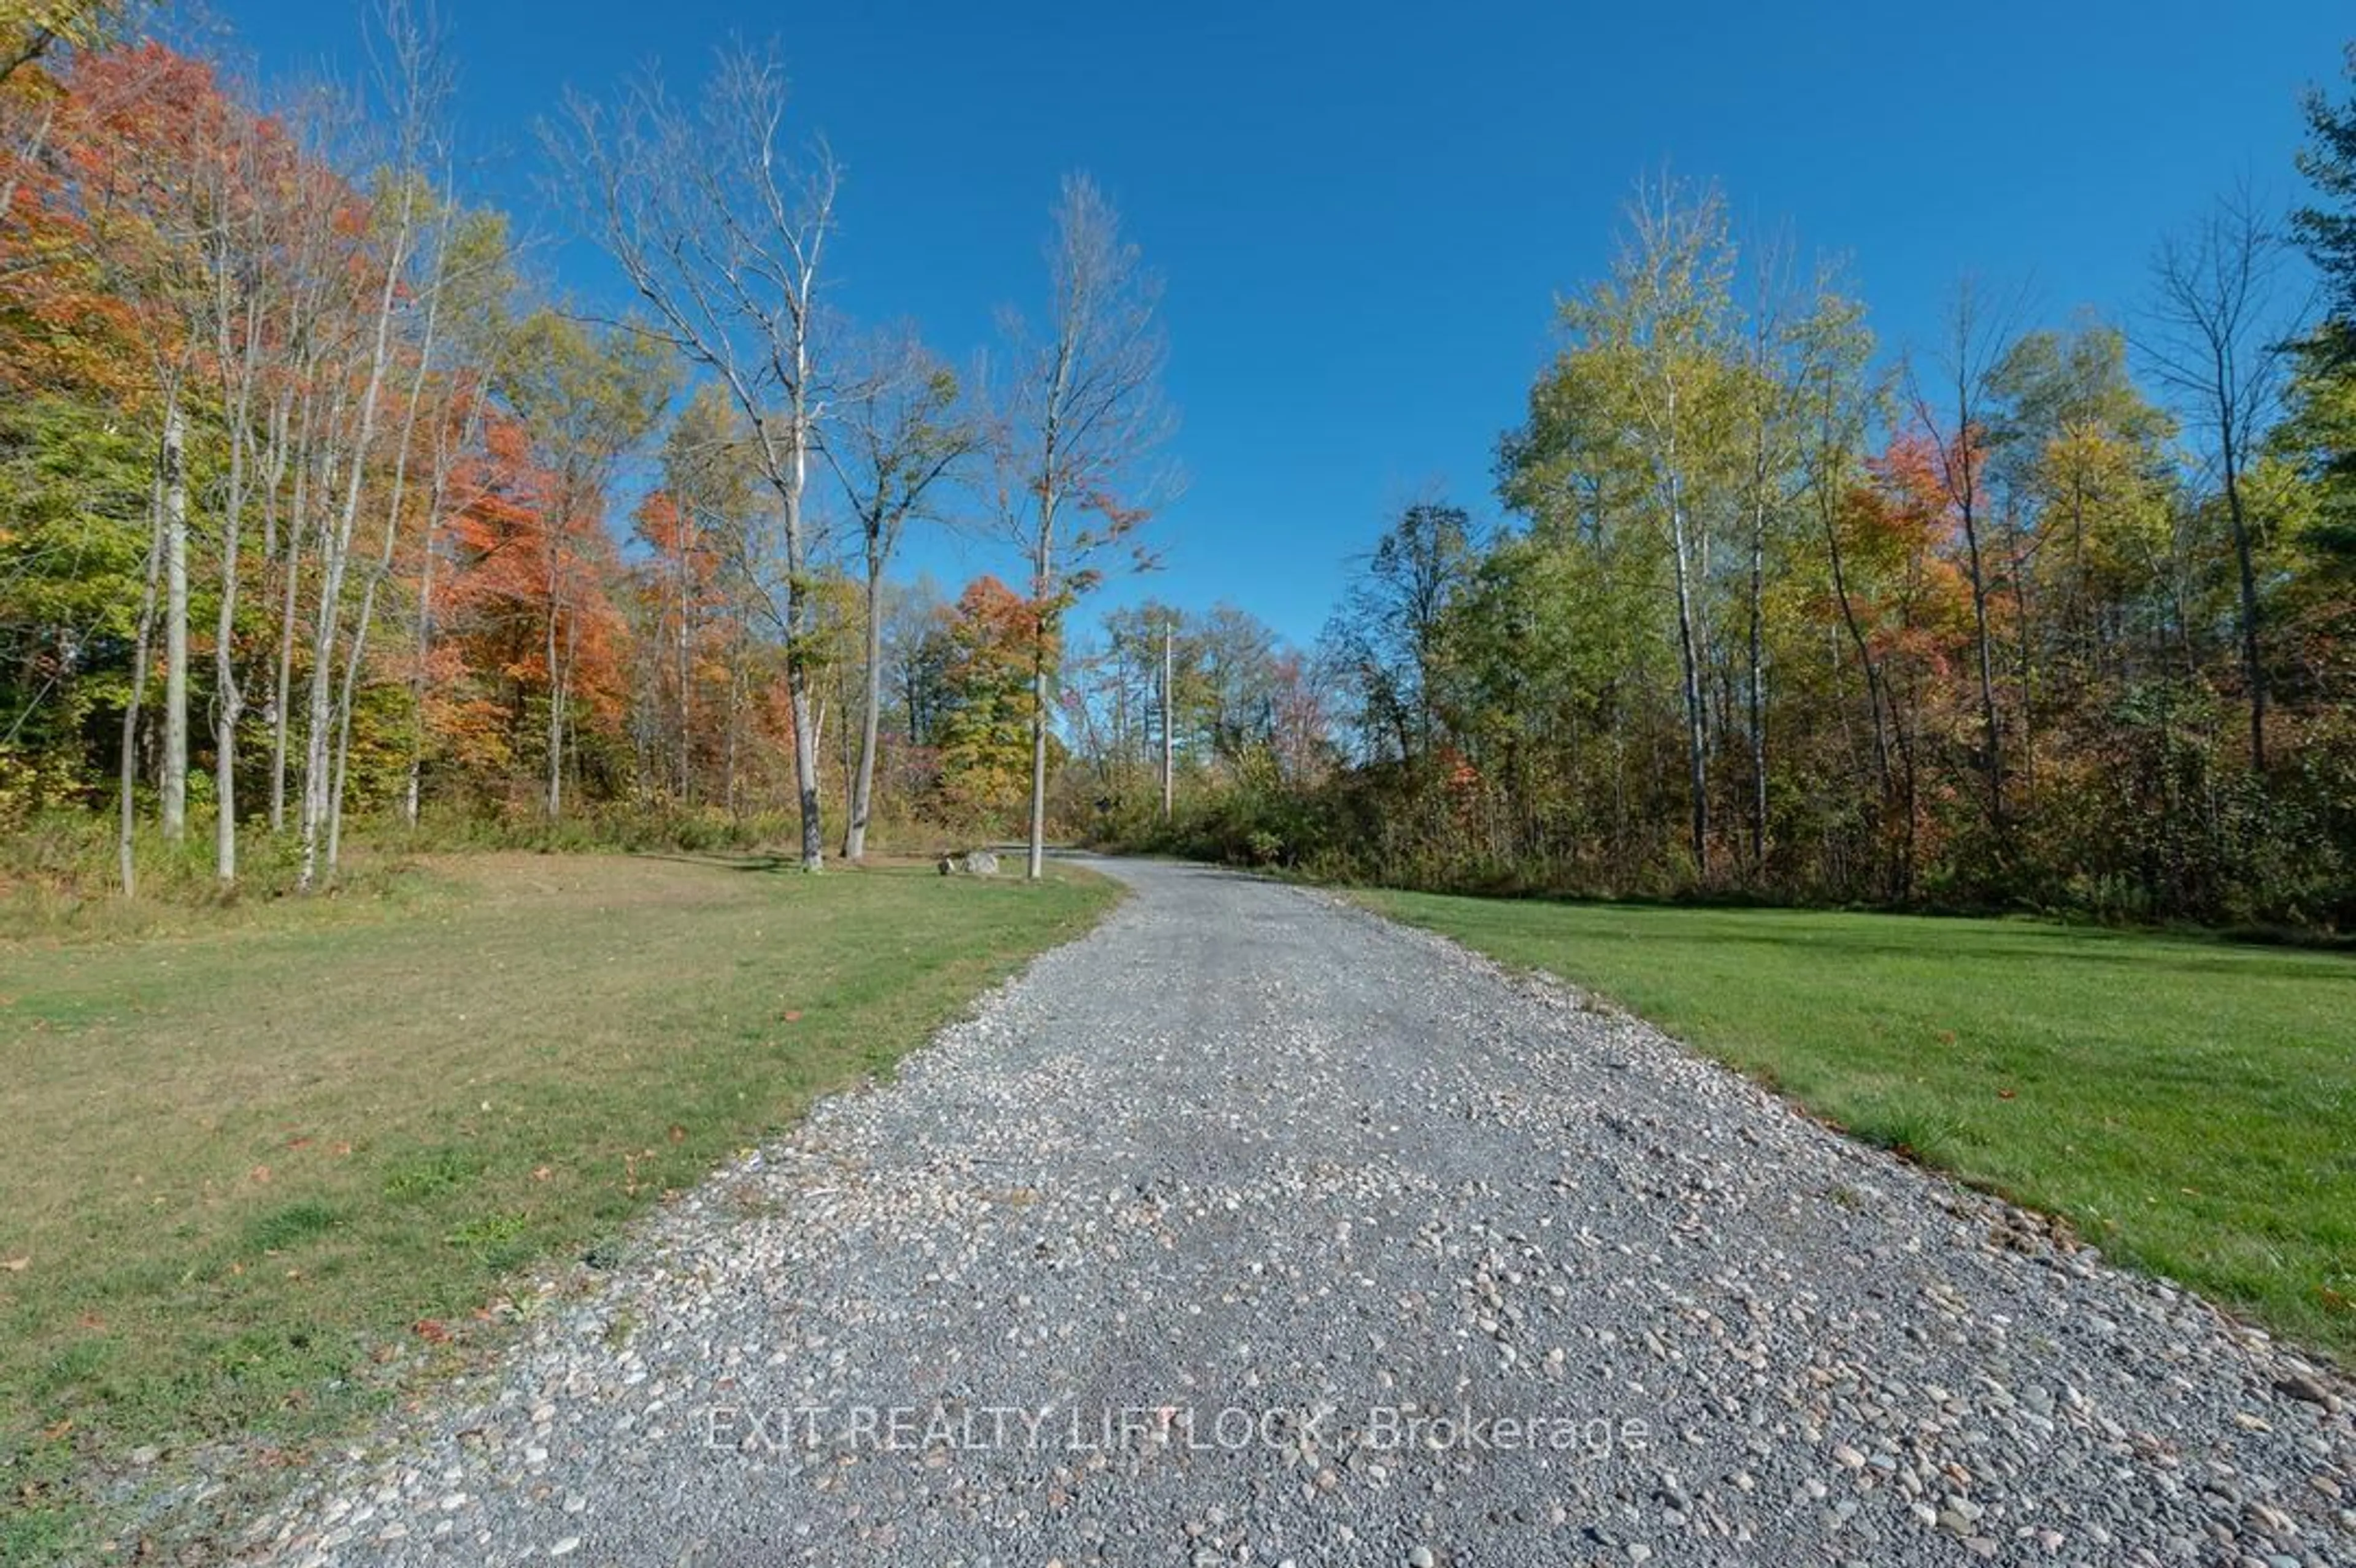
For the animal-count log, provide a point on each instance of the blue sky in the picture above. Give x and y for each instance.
(1364, 212)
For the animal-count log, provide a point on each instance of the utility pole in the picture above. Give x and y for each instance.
(1119, 714)
(1169, 753)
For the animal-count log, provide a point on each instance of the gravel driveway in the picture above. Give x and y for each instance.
(1252, 1229)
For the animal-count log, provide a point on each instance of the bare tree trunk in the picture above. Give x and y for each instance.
(355, 659)
(1689, 664)
(297, 522)
(900, 435)
(1758, 661)
(686, 651)
(863, 786)
(2219, 326)
(128, 776)
(335, 545)
(334, 552)
(173, 782)
(346, 695)
(229, 699)
(1169, 752)
(1977, 346)
(722, 234)
(2253, 669)
(1035, 850)
(1873, 681)
(556, 700)
(1991, 736)
(1088, 407)
(2018, 554)
(419, 667)
(797, 673)
(417, 87)
(1035, 859)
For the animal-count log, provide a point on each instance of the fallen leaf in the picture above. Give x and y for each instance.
(540, 1173)
(259, 1174)
(794, 1017)
(17, 1265)
(432, 1332)
(678, 1134)
(2005, 1094)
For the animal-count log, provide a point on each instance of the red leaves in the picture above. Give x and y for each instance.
(984, 732)
(526, 553)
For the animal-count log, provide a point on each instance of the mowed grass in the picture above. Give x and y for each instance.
(2188, 1104)
(256, 1178)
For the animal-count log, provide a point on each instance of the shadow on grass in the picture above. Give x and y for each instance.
(2061, 944)
(1959, 936)
(723, 861)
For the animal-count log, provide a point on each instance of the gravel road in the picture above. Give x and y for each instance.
(1252, 1229)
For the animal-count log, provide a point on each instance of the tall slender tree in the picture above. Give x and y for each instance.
(902, 432)
(2213, 334)
(1955, 420)
(723, 229)
(1083, 413)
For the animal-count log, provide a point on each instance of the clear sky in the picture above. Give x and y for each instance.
(1364, 211)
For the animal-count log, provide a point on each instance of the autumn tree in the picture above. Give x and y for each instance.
(722, 228)
(2319, 437)
(41, 30)
(586, 399)
(707, 500)
(902, 433)
(2213, 333)
(1083, 412)
(986, 726)
(1653, 350)
(1953, 414)
(2325, 228)
(1388, 632)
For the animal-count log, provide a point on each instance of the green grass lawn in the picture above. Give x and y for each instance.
(2189, 1104)
(247, 1164)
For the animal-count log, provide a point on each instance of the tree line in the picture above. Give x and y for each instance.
(318, 507)
(2045, 615)
(315, 505)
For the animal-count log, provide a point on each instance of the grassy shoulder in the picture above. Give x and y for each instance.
(2189, 1104)
(257, 1173)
